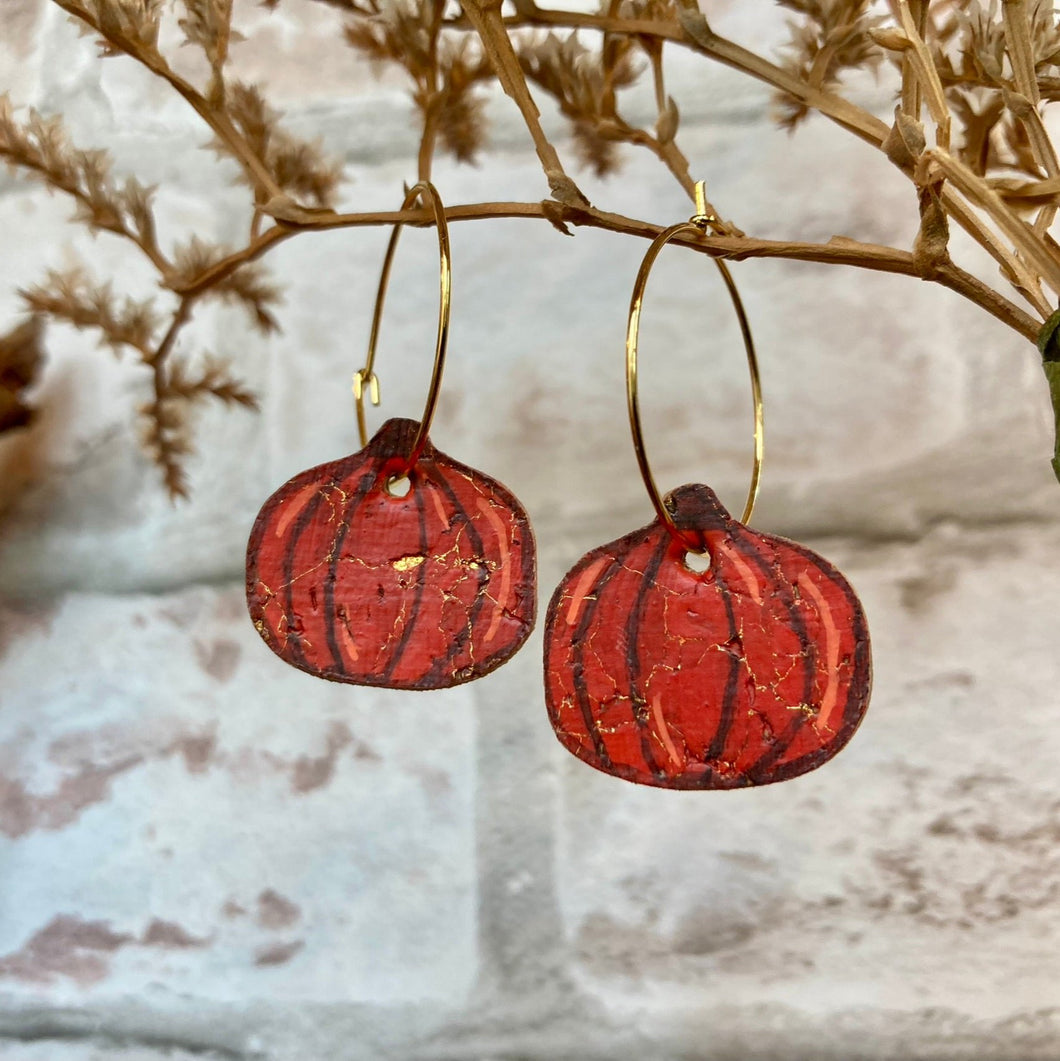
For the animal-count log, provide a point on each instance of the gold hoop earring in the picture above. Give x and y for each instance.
(754, 670)
(353, 581)
(697, 225)
(365, 377)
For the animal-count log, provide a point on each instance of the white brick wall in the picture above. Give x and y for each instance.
(204, 851)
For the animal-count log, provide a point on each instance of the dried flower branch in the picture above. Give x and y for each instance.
(831, 37)
(984, 75)
(75, 298)
(166, 434)
(583, 82)
(212, 381)
(296, 168)
(41, 147)
(208, 24)
(130, 28)
(444, 74)
(248, 286)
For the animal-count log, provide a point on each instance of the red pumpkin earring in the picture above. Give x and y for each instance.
(697, 652)
(396, 566)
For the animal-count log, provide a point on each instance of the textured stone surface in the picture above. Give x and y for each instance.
(227, 827)
(204, 853)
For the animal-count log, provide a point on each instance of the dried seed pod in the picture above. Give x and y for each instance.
(350, 581)
(752, 671)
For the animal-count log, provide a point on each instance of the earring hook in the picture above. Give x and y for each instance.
(365, 379)
(697, 225)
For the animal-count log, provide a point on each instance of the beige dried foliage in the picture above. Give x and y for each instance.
(445, 73)
(828, 38)
(399, 31)
(969, 50)
(134, 21)
(74, 297)
(166, 420)
(583, 81)
(647, 10)
(40, 146)
(212, 380)
(298, 167)
(248, 286)
(462, 123)
(207, 24)
(968, 134)
(166, 435)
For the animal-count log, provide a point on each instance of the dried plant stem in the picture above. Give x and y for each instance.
(910, 82)
(425, 155)
(1020, 47)
(435, 101)
(1022, 235)
(837, 251)
(927, 75)
(694, 32)
(1015, 269)
(145, 242)
(156, 359)
(1011, 266)
(1021, 53)
(666, 150)
(214, 117)
(485, 16)
(168, 455)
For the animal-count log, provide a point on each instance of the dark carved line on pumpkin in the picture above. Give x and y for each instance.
(483, 576)
(632, 656)
(809, 653)
(253, 577)
(421, 578)
(857, 692)
(577, 643)
(859, 631)
(333, 567)
(528, 551)
(293, 646)
(494, 492)
(728, 705)
(522, 591)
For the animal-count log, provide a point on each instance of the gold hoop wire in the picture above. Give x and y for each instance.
(695, 226)
(365, 378)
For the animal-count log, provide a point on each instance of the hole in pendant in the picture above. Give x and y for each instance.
(697, 562)
(399, 486)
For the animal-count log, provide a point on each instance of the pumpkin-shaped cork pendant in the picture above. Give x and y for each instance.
(752, 671)
(349, 581)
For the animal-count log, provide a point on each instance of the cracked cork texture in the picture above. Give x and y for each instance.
(350, 582)
(753, 671)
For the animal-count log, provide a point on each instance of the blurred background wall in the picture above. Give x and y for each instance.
(206, 853)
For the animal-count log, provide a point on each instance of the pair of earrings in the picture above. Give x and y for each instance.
(693, 653)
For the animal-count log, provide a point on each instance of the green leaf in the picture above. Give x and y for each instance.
(1049, 345)
(1052, 374)
(1048, 340)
